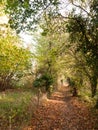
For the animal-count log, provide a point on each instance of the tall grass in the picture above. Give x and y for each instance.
(14, 109)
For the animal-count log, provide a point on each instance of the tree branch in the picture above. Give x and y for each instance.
(81, 8)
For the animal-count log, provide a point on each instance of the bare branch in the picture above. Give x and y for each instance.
(82, 9)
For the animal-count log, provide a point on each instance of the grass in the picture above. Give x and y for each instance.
(14, 108)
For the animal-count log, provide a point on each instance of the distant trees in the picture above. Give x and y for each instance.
(49, 49)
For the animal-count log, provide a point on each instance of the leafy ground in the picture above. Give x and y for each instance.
(64, 112)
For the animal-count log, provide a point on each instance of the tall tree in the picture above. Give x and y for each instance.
(14, 60)
(83, 31)
(49, 49)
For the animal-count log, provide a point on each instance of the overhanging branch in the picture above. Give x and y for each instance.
(82, 9)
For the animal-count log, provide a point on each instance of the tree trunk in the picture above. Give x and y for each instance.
(96, 105)
(75, 93)
(93, 85)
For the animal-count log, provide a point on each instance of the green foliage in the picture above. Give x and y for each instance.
(50, 47)
(14, 108)
(48, 80)
(38, 82)
(45, 80)
(83, 38)
(25, 14)
(15, 60)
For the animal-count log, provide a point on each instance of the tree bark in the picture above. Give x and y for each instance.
(93, 85)
(75, 93)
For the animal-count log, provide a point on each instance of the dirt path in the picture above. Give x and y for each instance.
(63, 112)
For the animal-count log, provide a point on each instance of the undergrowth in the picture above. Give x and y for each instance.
(15, 109)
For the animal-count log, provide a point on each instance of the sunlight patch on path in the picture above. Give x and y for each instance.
(56, 101)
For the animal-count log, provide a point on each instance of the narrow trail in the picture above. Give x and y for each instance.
(63, 112)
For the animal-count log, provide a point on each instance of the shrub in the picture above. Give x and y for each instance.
(15, 109)
(45, 80)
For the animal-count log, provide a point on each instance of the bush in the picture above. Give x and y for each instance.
(15, 109)
(44, 80)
